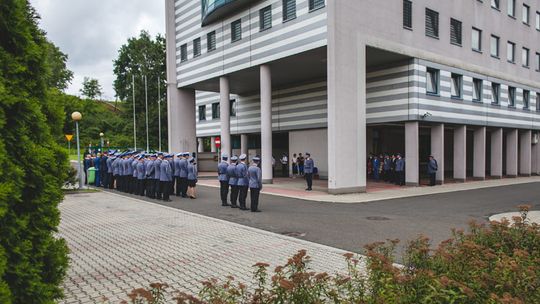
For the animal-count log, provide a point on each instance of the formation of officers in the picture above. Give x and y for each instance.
(156, 175)
(237, 176)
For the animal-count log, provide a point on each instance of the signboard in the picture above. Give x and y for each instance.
(69, 137)
(218, 142)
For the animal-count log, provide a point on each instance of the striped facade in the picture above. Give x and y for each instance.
(305, 32)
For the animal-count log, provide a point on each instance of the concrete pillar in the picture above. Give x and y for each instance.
(346, 105)
(225, 114)
(460, 153)
(479, 150)
(180, 102)
(512, 153)
(244, 144)
(437, 150)
(535, 157)
(213, 147)
(266, 123)
(525, 153)
(412, 177)
(200, 145)
(497, 153)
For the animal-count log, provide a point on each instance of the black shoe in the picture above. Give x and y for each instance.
(225, 205)
(256, 210)
(243, 208)
(167, 200)
(234, 206)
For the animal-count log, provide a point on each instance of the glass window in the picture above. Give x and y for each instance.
(526, 99)
(236, 30)
(477, 89)
(202, 112)
(495, 93)
(315, 4)
(511, 96)
(183, 52)
(456, 86)
(494, 46)
(407, 14)
(432, 23)
(432, 81)
(455, 31)
(289, 9)
(232, 107)
(525, 57)
(215, 110)
(211, 41)
(476, 39)
(511, 51)
(525, 14)
(538, 21)
(512, 8)
(537, 101)
(538, 61)
(495, 3)
(196, 47)
(265, 18)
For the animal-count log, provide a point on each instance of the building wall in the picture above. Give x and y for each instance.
(314, 142)
(307, 31)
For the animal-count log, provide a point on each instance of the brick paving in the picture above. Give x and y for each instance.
(119, 243)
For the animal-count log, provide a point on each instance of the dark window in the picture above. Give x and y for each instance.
(495, 93)
(525, 14)
(202, 112)
(455, 31)
(526, 99)
(197, 47)
(289, 9)
(511, 52)
(494, 46)
(476, 39)
(407, 14)
(538, 62)
(495, 4)
(315, 4)
(538, 21)
(537, 101)
(511, 96)
(265, 18)
(236, 30)
(215, 110)
(432, 81)
(525, 57)
(232, 107)
(456, 86)
(183, 52)
(211, 41)
(477, 89)
(511, 8)
(432, 23)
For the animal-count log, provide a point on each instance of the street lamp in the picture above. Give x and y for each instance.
(101, 138)
(77, 116)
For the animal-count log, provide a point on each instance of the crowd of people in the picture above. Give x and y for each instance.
(391, 168)
(154, 175)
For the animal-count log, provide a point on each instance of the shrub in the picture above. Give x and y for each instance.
(497, 262)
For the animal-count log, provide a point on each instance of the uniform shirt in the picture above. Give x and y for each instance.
(157, 168)
(128, 170)
(309, 164)
(432, 166)
(165, 172)
(121, 166)
(387, 164)
(141, 170)
(134, 167)
(149, 169)
(255, 177)
(231, 173)
(109, 163)
(192, 171)
(176, 166)
(97, 163)
(116, 166)
(222, 171)
(183, 168)
(400, 164)
(241, 174)
(104, 163)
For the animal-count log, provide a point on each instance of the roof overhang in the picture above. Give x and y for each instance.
(213, 10)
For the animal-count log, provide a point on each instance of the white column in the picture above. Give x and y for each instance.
(525, 153)
(225, 114)
(460, 153)
(535, 157)
(437, 150)
(266, 123)
(411, 154)
(512, 153)
(213, 147)
(497, 153)
(200, 145)
(479, 150)
(180, 102)
(244, 144)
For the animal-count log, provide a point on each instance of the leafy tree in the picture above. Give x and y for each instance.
(143, 56)
(91, 88)
(59, 77)
(32, 165)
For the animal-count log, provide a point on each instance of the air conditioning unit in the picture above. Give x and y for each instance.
(535, 139)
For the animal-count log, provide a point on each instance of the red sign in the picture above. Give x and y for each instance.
(218, 142)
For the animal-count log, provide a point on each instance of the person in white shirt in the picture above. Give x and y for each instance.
(284, 165)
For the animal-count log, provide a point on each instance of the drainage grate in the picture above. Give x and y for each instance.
(377, 218)
(294, 234)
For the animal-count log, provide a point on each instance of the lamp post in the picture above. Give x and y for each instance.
(77, 116)
(101, 138)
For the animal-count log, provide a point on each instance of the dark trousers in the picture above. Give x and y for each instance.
(166, 187)
(140, 187)
(158, 190)
(284, 170)
(254, 194)
(111, 181)
(150, 188)
(432, 179)
(183, 186)
(178, 185)
(234, 195)
(309, 180)
(401, 178)
(242, 195)
(224, 190)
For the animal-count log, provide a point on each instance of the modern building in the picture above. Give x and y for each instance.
(342, 79)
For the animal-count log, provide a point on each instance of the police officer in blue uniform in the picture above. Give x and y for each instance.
(183, 166)
(134, 180)
(243, 181)
(231, 174)
(176, 175)
(141, 175)
(110, 170)
(400, 170)
(157, 175)
(309, 167)
(97, 166)
(432, 170)
(116, 169)
(165, 177)
(223, 179)
(104, 169)
(150, 173)
(255, 184)
(192, 178)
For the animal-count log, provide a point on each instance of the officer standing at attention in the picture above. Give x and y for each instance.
(104, 169)
(255, 184)
(432, 168)
(400, 170)
(183, 164)
(97, 166)
(176, 174)
(223, 179)
(150, 172)
(116, 170)
(309, 166)
(165, 177)
(243, 181)
(110, 176)
(141, 175)
(157, 175)
(231, 174)
(192, 178)
(135, 179)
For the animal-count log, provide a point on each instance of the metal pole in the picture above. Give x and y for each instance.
(101, 145)
(159, 110)
(146, 105)
(79, 156)
(134, 120)
(69, 147)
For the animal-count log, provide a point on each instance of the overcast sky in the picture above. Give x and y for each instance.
(90, 32)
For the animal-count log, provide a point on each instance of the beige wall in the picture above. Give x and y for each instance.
(314, 142)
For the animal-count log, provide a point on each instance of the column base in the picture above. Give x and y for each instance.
(496, 176)
(479, 178)
(267, 181)
(347, 190)
(409, 184)
(511, 176)
(524, 175)
(459, 180)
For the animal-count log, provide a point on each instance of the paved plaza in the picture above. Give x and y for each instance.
(119, 243)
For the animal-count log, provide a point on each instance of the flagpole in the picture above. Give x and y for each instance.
(146, 106)
(134, 119)
(159, 111)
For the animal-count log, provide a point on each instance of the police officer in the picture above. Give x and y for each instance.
(104, 169)
(165, 177)
(192, 178)
(432, 168)
(243, 181)
(183, 165)
(134, 179)
(309, 167)
(110, 175)
(150, 173)
(157, 175)
(223, 179)
(176, 173)
(97, 166)
(121, 175)
(141, 175)
(116, 169)
(400, 170)
(255, 184)
(231, 174)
